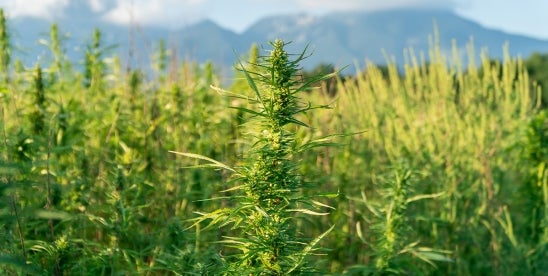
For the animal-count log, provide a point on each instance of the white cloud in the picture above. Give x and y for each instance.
(36, 8)
(371, 5)
(164, 12)
(234, 14)
(97, 5)
(174, 12)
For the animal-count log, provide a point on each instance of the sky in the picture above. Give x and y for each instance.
(526, 17)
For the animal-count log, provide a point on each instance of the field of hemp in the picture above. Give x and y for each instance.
(436, 169)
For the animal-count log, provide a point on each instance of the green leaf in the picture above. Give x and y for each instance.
(219, 216)
(508, 227)
(308, 212)
(321, 204)
(360, 270)
(324, 141)
(420, 197)
(248, 111)
(47, 214)
(309, 248)
(213, 163)
(295, 121)
(433, 256)
(314, 79)
(427, 254)
(252, 84)
(359, 232)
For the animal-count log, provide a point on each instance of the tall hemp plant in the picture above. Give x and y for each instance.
(5, 50)
(267, 188)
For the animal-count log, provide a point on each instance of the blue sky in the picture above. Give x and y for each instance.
(528, 17)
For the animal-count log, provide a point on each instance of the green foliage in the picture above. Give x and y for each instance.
(329, 85)
(94, 64)
(537, 67)
(535, 190)
(267, 185)
(449, 177)
(5, 49)
(161, 61)
(460, 130)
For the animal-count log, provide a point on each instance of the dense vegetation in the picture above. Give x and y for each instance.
(436, 169)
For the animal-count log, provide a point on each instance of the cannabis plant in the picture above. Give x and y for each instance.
(5, 50)
(267, 187)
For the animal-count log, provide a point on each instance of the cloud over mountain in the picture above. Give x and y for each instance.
(374, 5)
(174, 13)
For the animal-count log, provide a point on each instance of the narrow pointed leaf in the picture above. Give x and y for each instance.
(308, 212)
(213, 163)
(309, 248)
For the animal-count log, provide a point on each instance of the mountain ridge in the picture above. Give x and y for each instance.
(339, 38)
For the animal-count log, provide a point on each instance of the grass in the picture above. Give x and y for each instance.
(444, 173)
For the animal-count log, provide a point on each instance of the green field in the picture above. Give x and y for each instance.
(436, 169)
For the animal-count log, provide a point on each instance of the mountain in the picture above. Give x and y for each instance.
(346, 38)
(207, 41)
(343, 38)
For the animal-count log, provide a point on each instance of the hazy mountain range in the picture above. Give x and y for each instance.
(347, 38)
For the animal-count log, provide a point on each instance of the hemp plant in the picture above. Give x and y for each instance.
(5, 50)
(267, 187)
